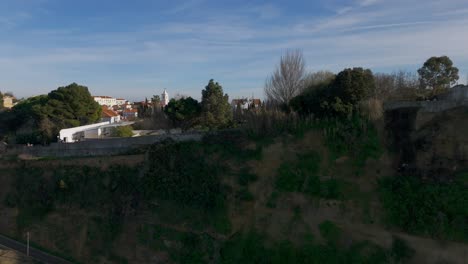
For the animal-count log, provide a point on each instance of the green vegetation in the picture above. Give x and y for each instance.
(182, 247)
(400, 250)
(426, 208)
(438, 73)
(183, 112)
(335, 97)
(303, 176)
(251, 248)
(181, 172)
(215, 108)
(122, 131)
(355, 136)
(38, 119)
(330, 232)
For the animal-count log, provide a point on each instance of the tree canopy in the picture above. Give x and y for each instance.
(353, 85)
(70, 106)
(335, 96)
(215, 109)
(183, 112)
(438, 73)
(41, 117)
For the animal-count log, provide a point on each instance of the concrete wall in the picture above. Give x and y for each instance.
(426, 106)
(98, 147)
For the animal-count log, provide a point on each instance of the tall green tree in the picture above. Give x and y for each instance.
(438, 73)
(215, 109)
(183, 112)
(71, 106)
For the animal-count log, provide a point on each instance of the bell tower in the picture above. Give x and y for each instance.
(164, 98)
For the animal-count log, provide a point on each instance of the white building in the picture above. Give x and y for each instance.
(8, 101)
(94, 131)
(120, 101)
(108, 115)
(105, 100)
(164, 98)
(74, 134)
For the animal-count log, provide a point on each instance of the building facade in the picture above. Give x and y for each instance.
(8, 101)
(105, 100)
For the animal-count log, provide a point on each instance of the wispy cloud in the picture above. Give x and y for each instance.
(184, 6)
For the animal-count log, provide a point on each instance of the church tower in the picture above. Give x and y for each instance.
(164, 98)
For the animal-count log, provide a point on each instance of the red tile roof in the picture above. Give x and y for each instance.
(108, 113)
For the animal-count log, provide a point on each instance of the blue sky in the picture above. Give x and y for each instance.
(137, 48)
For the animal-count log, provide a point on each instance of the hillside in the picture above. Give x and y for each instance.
(333, 192)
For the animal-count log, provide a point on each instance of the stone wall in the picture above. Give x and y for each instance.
(99, 147)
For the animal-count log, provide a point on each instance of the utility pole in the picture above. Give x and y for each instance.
(27, 247)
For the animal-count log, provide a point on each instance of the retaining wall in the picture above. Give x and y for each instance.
(98, 147)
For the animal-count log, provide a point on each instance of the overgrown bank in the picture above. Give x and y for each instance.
(222, 201)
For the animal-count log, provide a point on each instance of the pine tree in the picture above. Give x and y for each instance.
(216, 112)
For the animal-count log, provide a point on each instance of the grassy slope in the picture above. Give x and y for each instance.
(170, 232)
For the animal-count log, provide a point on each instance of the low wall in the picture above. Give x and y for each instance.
(426, 106)
(98, 147)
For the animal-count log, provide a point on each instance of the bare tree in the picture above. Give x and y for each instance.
(287, 80)
(400, 85)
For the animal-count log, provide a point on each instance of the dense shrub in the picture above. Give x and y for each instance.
(122, 131)
(112, 193)
(355, 136)
(183, 173)
(251, 248)
(426, 208)
(32, 194)
(330, 232)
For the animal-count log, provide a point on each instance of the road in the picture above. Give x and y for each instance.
(33, 252)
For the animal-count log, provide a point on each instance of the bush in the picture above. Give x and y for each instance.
(426, 208)
(245, 177)
(251, 248)
(401, 252)
(330, 232)
(356, 137)
(292, 175)
(182, 172)
(122, 131)
(244, 195)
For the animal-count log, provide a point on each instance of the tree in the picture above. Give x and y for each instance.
(71, 106)
(287, 80)
(318, 78)
(401, 85)
(438, 73)
(1, 101)
(311, 99)
(45, 115)
(183, 112)
(338, 96)
(215, 109)
(156, 103)
(353, 85)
